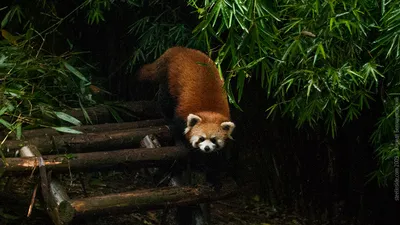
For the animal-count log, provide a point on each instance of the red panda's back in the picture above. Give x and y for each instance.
(194, 79)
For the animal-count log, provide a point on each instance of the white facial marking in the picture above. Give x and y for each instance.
(207, 146)
(221, 143)
(194, 140)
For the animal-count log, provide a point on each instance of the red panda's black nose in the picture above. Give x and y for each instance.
(206, 148)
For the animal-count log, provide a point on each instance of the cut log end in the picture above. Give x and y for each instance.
(66, 212)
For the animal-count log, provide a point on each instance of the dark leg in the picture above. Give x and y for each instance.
(181, 174)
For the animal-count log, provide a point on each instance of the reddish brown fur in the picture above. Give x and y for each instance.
(194, 79)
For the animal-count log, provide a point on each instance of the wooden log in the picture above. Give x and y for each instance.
(92, 128)
(149, 199)
(51, 207)
(141, 157)
(30, 151)
(89, 142)
(134, 111)
(185, 214)
(150, 141)
(60, 201)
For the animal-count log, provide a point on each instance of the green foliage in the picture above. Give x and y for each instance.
(33, 86)
(162, 26)
(96, 7)
(322, 62)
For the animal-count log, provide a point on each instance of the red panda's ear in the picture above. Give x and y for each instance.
(228, 127)
(192, 120)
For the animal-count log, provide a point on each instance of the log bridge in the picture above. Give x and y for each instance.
(105, 146)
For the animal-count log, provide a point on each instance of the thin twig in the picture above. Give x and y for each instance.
(32, 200)
(61, 20)
(43, 40)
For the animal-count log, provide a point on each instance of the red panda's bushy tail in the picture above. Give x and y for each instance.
(154, 71)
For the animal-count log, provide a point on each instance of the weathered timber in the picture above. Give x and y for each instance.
(150, 141)
(137, 110)
(45, 187)
(51, 207)
(88, 142)
(149, 199)
(60, 202)
(141, 157)
(92, 128)
(30, 151)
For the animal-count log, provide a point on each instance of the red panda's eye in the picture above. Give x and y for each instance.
(213, 140)
(201, 139)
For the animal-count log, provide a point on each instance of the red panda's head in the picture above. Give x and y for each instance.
(208, 131)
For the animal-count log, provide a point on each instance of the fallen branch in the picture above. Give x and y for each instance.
(141, 157)
(32, 201)
(30, 152)
(149, 199)
(89, 142)
(92, 128)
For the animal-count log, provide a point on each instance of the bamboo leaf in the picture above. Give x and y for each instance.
(68, 118)
(6, 124)
(75, 72)
(115, 114)
(321, 48)
(67, 130)
(216, 11)
(18, 131)
(240, 84)
(5, 19)
(3, 110)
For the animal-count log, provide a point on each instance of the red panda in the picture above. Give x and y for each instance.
(190, 81)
